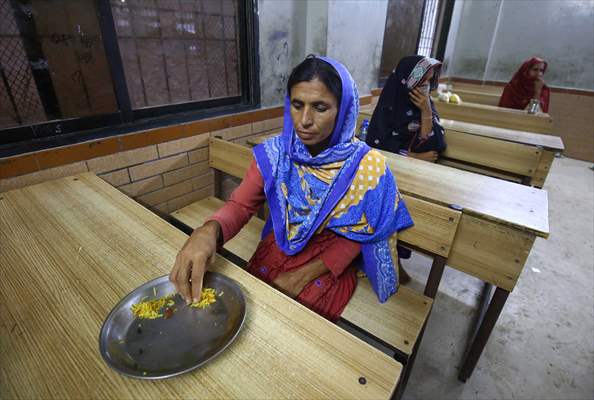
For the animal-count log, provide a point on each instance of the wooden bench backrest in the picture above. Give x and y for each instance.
(549, 142)
(493, 153)
(478, 97)
(514, 158)
(478, 88)
(495, 116)
(435, 225)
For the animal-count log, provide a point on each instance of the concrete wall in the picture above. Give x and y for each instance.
(316, 27)
(282, 45)
(494, 37)
(355, 37)
(350, 31)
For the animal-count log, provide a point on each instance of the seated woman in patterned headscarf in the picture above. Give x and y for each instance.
(331, 198)
(405, 120)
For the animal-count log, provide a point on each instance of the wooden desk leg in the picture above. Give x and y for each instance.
(482, 335)
(482, 309)
(435, 276)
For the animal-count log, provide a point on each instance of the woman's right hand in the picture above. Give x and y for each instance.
(430, 156)
(190, 264)
(538, 85)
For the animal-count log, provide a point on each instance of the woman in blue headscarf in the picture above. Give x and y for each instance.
(331, 198)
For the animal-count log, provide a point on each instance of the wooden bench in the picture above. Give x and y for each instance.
(493, 238)
(513, 155)
(500, 222)
(398, 323)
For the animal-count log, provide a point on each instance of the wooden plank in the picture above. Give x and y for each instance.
(496, 116)
(489, 251)
(493, 153)
(72, 248)
(542, 170)
(398, 322)
(228, 157)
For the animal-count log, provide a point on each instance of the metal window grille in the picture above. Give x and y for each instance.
(428, 28)
(178, 51)
(74, 69)
(19, 99)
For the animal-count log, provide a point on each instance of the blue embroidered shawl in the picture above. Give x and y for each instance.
(347, 188)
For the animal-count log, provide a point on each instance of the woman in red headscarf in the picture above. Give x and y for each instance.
(527, 84)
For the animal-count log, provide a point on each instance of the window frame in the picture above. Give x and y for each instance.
(60, 132)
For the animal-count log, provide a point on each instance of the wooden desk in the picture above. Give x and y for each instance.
(504, 153)
(73, 247)
(514, 155)
(499, 224)
(500, 221)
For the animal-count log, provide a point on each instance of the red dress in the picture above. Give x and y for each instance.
(520, 90)
(328, 294)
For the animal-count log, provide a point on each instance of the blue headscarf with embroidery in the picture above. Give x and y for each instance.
(347, 188)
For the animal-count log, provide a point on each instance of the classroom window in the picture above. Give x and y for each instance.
(178, 51)
(53, 63)
(428, 26)
(73, 65)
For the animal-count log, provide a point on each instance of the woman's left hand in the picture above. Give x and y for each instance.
(290, 283)
(430, 156)
(421, 100)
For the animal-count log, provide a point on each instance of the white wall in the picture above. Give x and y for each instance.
(316, 29)
(282, 45)
(494, 37)
(355, 38)
(348, 30)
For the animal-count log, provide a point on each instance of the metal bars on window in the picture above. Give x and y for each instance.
(428, 28)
